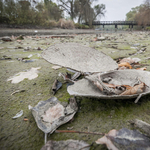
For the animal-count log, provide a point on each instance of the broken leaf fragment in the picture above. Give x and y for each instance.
(19, 114)
(125, 64)
(144, 126)
(30, 74)
(66, 145)
(125, 139)
(144, 68)
(56, 86)
(50, 114)
(137, 89)
(56, 67)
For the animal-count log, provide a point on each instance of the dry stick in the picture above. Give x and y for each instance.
(72, 131)
(137, 99)
(85, 147)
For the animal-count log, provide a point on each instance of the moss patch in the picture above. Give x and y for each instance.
(95, 115)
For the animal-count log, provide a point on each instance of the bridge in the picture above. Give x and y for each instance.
(116, 23)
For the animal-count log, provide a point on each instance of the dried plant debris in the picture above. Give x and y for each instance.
(144, 68)
(128, 63)
(115, 84)
(125, 139)
(75, 76)
(56, 67)
(66, 77)
(56, 86)
(144, 126)
(130, 60)
(79, 58)
(125, 64)
(69, 78)
(19, 114)
(50, 114)
(29, 74)
(6, 39)
(66, 145)
(137, 89)
(17, 91)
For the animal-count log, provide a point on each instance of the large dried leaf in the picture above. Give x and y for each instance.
(126, 78)
(79, 58)
(66, 145)
(125, 139)
(50, 114)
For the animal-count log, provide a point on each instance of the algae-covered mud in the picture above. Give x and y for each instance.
(94, 115)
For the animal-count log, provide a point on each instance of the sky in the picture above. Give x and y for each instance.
(116, 10)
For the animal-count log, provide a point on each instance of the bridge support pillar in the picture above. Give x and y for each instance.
(115, 27)
(142, 28)
(103, 25)
(131, 27)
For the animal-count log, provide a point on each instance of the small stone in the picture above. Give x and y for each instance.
(6, 39)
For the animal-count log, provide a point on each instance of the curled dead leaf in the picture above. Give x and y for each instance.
(128, 60)
(144, 68)
(107, 141)
(125, 64)
(137, 89)
(95, 39)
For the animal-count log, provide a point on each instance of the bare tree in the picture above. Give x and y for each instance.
(82, 9)
(68, 6)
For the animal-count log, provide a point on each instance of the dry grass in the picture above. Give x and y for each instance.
(65, 24)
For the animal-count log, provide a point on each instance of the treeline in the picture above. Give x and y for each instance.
(49, 14)
(141, 14)
(21, 12)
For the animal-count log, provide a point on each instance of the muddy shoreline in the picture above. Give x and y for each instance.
(94, 115)
(56, 31)
(17, 32)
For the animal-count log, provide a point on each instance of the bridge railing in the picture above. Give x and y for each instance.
(114, 22)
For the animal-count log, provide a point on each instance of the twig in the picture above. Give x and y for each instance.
(45, 139)
(73, 131)
(137, 99)
(17, 92)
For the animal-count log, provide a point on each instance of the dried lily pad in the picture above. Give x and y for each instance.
(79, 58)
(66, 145)
(50, 114)
(119, 77)
(125, 139)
